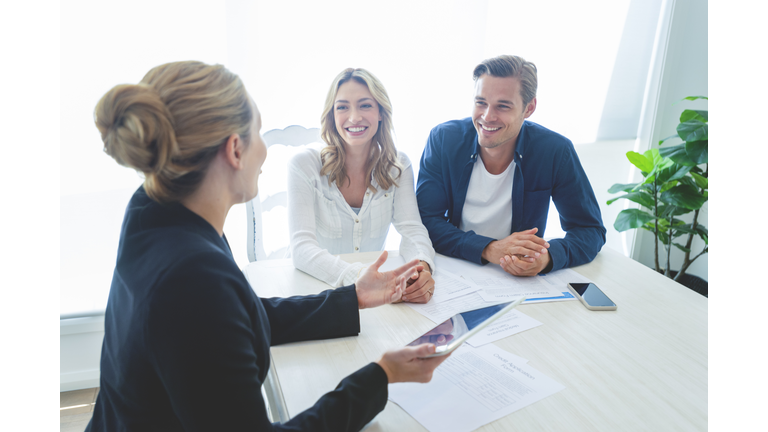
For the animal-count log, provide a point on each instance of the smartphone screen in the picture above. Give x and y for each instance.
(592, 294)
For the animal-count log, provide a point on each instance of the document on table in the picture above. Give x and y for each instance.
(559, 279)
(438, 312)
(512, 323)
(473, 387)
(496, 286)
(449, 286)
(511, 288)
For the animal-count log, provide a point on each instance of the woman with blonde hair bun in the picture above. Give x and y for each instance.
(343, 198)
(186, 340)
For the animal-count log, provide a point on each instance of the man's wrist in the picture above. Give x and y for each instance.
(548, 268)
(489, 252)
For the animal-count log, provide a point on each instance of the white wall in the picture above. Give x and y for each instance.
(685, 74)
(80, 353)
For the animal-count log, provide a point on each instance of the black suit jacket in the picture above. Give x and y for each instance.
(186, 344)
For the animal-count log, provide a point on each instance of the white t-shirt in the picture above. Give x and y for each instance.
(488, 207)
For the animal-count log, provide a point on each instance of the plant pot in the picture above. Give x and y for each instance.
(694, 283)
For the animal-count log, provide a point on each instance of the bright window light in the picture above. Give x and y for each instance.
(287, 54)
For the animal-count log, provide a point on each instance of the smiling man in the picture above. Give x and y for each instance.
(485, 182)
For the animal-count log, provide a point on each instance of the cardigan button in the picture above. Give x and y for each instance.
(357, 248)
(357, 220)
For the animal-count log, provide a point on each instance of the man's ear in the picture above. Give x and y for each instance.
(233, 151)
(530, 108)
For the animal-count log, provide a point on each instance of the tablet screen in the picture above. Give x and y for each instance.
(456, 326)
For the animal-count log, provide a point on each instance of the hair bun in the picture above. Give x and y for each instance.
(136, 127)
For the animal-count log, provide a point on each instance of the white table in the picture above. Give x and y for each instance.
(642, 367)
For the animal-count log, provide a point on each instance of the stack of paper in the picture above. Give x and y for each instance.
(480, 382)
(473, 387)
(468, 286)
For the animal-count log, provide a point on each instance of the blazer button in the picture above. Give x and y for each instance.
(357, 248)
(357, 220)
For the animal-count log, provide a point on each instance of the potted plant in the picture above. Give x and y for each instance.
(675, 183)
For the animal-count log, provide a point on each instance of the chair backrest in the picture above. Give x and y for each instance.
(270, 206)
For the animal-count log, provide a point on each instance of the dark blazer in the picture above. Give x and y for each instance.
(186, 343)
(546, 166)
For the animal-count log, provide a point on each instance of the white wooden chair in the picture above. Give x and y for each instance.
(272, 193)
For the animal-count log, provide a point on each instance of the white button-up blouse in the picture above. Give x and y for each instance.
(322, 224)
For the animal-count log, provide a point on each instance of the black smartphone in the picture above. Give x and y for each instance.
(592, 297)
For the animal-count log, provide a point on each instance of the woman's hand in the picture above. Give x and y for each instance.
(421, 288)
(376, 289)
(408, 365)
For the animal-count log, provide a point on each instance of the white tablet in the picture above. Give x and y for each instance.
(454, 331)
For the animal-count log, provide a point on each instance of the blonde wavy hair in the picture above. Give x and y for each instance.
(382, 157)
(171, 124)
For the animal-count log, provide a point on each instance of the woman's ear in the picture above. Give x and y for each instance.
(233, 150)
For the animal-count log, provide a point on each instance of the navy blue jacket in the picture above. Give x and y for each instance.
(186, 344)
(546, 166)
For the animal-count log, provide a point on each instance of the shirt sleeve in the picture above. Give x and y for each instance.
(415, 241)
(306, 252)
(433, 193)
(579, 212)
(207, 348)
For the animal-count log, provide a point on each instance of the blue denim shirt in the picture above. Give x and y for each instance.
(546, 166)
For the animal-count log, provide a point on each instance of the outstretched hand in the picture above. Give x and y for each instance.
(409, 365)
(375, 289)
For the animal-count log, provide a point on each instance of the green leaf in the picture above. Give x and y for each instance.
(631, 218)
(677, 154)
(672, 173)
(697, 151)
(700, 115)
(640, 161)
(693, 130)
(701, 230)
(641, 198)
(700, 180)
(618, 187)
(687, 228)
(684, 196)
(690, 98)
(688, 180)
(660, 164)
(663, 236)
(653, 156)
(681, 247)
(668, 185)
(667, 211)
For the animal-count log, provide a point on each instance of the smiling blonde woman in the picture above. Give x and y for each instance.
(343, 198)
